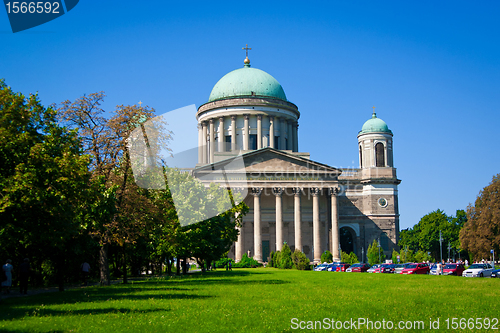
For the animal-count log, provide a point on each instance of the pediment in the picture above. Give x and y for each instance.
(271, 161)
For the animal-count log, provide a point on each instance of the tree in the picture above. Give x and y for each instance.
(43, 182)
(285, 257)
(424, 236)
(105, 141)
(300, 260)
(326, 256)
(375, 254)
(349, 258)
(481, 231)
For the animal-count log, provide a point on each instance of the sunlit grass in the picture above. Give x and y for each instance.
(251, 300)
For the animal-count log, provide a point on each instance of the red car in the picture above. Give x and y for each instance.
(359, 268)
(416, 269)
(341, 267)
(453, 269)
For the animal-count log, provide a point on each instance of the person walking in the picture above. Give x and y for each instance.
(7, 269)
(24, 275)
(85, 272)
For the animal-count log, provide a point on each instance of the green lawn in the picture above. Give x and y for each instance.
(254, 300)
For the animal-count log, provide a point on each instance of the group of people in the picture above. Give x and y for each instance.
(23, 273)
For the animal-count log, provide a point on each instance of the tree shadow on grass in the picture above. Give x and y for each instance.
(28, 306)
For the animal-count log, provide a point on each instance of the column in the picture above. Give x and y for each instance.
(246, 132)
(233, 133)
(316, 227)
(221, 135)
(259, 131)
(271, 132)
(204, 147)
(257, 230)
(282, 134)
(212, 141)
(238, 253)
(200, 144)
(297, 191)
(295, 136)
(278, 192)
(334, 191)
(290, 136)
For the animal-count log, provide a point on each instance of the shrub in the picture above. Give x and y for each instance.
(300, 260)
(271, 259)
(286, 257)
(350, 258)
(327, 256)
(247, 262)
(277, 259)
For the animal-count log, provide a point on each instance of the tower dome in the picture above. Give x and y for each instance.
(375, 125)
(245, 82)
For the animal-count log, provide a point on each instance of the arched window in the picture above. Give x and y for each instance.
(379, 155)
(360, 157)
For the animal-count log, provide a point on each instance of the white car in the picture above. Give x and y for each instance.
(321, 267)
(478, 270)
(373, 268)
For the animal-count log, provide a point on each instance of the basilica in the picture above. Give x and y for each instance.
(293, 199)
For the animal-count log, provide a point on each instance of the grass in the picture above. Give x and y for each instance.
(252, 300)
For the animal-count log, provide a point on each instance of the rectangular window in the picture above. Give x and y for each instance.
(276, 142)
(228, 142)
(252, 142)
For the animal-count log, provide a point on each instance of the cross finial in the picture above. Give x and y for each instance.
(246, 61)
(246, 48)
(374, 115)
(140, 104)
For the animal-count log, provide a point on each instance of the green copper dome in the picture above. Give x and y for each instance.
(375, 125)
(247, 81)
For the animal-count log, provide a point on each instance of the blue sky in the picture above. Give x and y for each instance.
(431, 69)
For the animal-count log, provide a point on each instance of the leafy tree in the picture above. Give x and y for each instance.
(43, 182)
(375, 254)
(349, 258)
(285, 261)
(481, 232)
(300, 260)
(326, 256)
(422, 256)
(424, 236)
(105, 141)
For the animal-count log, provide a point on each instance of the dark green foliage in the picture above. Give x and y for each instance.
(271, 259)
(424, 236)
(350, 258)
(326, 256)
(247, 262)
(375, 254)
(285, 261)
(300, 260)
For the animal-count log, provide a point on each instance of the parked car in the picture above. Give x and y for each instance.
(320, 267)
(400, 267)
(331, 267)
(495, 273)
(416, 269)
(359, 268)
(388, 268)
(341, 267)
(380, 268)
(478, 270)
(453, 269)
(373, 268)
(433, 269)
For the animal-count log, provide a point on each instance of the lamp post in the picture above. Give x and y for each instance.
(440, 246)
(378, 245)
(449, 248)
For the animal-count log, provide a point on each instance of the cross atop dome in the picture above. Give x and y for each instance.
(246, 61)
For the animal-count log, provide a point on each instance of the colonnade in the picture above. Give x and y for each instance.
(209, 129)
(297, 192)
